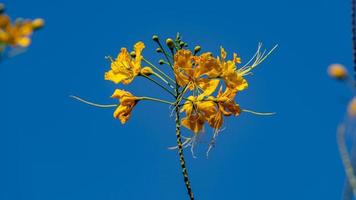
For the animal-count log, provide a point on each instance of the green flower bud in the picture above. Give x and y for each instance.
(159, 50)
(170, 43)
(155, 38)
(133, 54)
(161, 62)
(197, 49)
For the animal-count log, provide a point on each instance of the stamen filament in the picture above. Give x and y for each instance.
(155, 99)
(258, 113)
(157, 83)
(156, 68)
(93, 104)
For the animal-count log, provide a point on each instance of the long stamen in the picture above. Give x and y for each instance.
(258, 113)
(93, 104)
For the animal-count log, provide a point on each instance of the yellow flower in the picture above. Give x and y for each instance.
(226, 107)
(124, 69)
(17, 34)
(188, 72)
(127, 103)
(197, 112)
(233, 78)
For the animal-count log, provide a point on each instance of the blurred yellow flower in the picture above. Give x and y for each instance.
(37, 23)
(337, 71)
(125, 68)
(351, 110)
(17, 34)
(127, 103)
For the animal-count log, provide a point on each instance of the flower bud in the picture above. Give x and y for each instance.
(2, 8)
(155, 38)
(351, 109)
(170, 43)
(146, 71)
(181, 44)
(196, 49)
(133, 54)
(337, 71)
(159, 50)
(37, 23)
(161, 62)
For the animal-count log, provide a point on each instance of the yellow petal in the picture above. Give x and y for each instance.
(194, 123)
(24, 42)
(116, 78)
(208, 85)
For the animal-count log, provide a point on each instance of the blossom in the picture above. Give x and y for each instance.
(127, 103)
(226, 107)
(191, 73)
(232, 77)
(125, 68)
(17, 34)
(197, 112)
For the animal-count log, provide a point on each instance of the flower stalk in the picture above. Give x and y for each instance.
(180, 149)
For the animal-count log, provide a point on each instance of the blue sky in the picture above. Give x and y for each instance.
(52, 147)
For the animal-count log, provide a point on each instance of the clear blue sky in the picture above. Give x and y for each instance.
(52, 147)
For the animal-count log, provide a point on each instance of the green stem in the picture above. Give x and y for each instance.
(158, 84)
(164, 80)
(154, 99)
(165, 54)
(180, 144)
(156, 68)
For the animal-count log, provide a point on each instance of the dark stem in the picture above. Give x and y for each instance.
(180, 153)
(353, 27)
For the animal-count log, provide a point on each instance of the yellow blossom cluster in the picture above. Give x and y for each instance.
(203, 86)
(17, 33)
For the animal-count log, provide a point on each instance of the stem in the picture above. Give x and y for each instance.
(158, 84)
(180, 146)
(164, 80)
(158, 100)
(165, 54)
(353, 28)
(156, 68)
(345, 157)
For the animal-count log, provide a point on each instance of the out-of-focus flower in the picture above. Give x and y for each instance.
(38, 23)
(127, 103)
(351, 110)
(125, 68)
(17, 33)
(337, 71)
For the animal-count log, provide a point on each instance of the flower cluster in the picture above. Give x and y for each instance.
(17, 33)
(203, 86)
